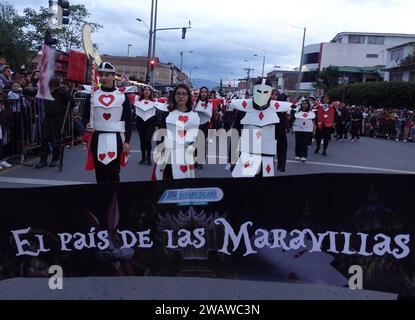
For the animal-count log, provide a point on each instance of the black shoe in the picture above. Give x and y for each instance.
(41, 165)
(200, 166)
(149, 162)
(317, 151)
(143, 161)
(324, 153)
(281, 170)
(53, 164)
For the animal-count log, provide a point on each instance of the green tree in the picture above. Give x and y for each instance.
(69, 36)
(13, 44)
(327, 79)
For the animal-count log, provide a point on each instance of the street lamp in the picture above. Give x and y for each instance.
(129, 49)
(301, 59)
(263, 63)
(150, 33)
(195, 67)
(181, 59)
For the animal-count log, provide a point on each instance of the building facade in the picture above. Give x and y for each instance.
(400, 63)
(361, 57)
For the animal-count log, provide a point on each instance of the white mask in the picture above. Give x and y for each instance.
(262, 94)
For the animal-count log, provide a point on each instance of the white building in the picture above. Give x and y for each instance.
(360, 57)
(400, 63)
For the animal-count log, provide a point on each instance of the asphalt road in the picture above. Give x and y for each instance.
(370, 155)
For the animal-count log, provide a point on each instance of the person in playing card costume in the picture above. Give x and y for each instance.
(110, 124)
(303, 127)
(204, 108)
(175, 157)
(257, 145)
(325, 124)
(145, 109)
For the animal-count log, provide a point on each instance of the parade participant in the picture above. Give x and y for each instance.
(258, 141)
(145, 110)
(281, 131)
(205, 111)
(3, 133)
(325, 124)
(111, 127)
(53, 121)
(357, 119)
(303, 127)
(341, 119)
(176, 156)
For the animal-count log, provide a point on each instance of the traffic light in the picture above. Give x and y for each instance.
(184, 33)
(63, 12)
(53, 15)
(49, 40)
(152, 63)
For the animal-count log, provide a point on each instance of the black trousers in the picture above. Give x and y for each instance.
(355, 130)
(110, 172)
(282, 146)
(145, 132)
(51, 137)
(340, 130)
(302, 141)
(324, 135)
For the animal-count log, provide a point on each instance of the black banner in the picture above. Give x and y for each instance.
(297, 229)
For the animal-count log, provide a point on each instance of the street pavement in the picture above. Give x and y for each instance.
(369, 155)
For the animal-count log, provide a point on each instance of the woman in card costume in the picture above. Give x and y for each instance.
(258, 145)
(325, 124)
(145, 109)
(175, 156)
(303, 127)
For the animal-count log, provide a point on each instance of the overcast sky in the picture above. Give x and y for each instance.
(226, 32)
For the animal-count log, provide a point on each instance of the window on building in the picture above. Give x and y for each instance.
(412, 76)
(397, 54)
(370, 55)
(308, 77)
(375, 40)
(310, 58)
(396, 77)
(356, 39)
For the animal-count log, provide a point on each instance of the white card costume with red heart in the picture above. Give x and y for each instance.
(258, 137)
(145, 109)
(108, 109)
(205, 111)
(304, 121)
(182, 130)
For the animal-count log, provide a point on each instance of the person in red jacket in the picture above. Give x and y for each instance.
(325, 124)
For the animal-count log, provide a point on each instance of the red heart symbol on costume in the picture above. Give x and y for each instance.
(122, 90)
(184, 119)
(181, 133)
(184, 169)
(247, 164)
(107, 116)
(203, 105)
(102, 156)
(305, 115)
(277, 105)
(106, 100)
(111, 154)
(146, 102)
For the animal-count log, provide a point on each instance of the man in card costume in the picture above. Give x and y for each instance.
(325, 124)
(176, 159)
(145, 110)
(258, 145)
(110, 124)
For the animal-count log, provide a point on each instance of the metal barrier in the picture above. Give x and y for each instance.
(23, 125)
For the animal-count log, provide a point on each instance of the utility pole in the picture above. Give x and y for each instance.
(248, 70)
